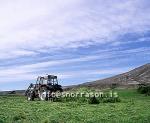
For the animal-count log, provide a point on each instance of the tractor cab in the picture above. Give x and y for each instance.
(52, 80)
(47, 80)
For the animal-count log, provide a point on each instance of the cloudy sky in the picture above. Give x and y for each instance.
(78, 40)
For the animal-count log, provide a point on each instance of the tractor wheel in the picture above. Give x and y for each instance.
(43, 96)
(30, 97)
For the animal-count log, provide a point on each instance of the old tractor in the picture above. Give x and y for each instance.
(44, 88)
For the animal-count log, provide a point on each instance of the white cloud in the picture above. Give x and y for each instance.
(30, 24)
(32, 68)
(16, 53)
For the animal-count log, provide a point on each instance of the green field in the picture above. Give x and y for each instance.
(133, 108)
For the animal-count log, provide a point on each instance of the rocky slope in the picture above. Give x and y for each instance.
(131, 78)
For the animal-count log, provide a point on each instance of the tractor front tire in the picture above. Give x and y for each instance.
(30, 97)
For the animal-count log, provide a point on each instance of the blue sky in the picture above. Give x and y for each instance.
(78, 40)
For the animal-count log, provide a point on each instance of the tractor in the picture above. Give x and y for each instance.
(44, 88)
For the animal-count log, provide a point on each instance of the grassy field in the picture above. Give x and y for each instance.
(133, 108)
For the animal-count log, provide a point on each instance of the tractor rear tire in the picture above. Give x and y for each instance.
(43, 96)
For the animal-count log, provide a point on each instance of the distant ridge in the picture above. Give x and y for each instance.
(128, 79)
(15, 92)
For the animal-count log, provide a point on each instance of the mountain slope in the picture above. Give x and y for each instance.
(131, 78)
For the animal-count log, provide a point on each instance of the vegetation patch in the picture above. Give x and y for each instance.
(144, 89)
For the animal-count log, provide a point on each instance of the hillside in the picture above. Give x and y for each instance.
(131, 78)
(16, 92)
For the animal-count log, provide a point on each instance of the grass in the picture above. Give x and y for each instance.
(133, 108)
